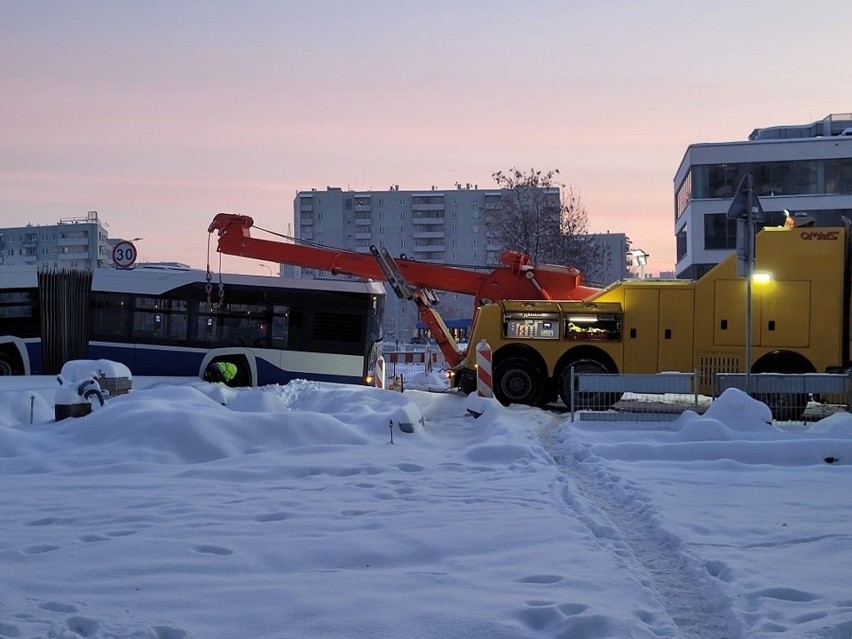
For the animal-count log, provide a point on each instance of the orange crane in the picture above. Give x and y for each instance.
(515, 278)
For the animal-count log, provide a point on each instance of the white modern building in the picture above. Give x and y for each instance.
(800, 168)
(430, 225)
(72, 243)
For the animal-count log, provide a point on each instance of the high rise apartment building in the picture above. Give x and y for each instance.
(801, 168)
(447, 227)
(72, 243)
(431, 225)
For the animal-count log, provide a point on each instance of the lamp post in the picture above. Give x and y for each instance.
(640, 259)
(266, 266)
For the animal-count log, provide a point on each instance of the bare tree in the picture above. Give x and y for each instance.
(545, 219)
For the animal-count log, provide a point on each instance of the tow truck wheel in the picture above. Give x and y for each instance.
(517, 381)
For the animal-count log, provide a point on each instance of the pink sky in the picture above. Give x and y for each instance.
(161, 114)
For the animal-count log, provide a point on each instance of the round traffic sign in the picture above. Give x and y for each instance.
(124, 254)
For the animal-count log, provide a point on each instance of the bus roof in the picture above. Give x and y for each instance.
(155, 281)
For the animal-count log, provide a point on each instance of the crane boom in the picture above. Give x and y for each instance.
(515, 278)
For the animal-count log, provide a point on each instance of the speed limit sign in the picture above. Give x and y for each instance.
(124, 254)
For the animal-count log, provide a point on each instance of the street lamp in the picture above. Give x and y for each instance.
(266, 266)
(640, 259)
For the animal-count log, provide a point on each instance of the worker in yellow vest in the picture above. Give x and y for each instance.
(222, 372)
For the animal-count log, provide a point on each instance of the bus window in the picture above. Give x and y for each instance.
(19, 313)
(207, 328)
(110, 314)
(160, 319)
(280, 321)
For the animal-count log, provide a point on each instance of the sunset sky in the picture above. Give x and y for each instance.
(159, 114)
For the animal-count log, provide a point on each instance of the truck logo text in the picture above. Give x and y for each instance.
(819, 235)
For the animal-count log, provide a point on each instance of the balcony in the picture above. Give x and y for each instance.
(427, 207)
(430, 248)
(363, 221)
(73, 241)
(429, 235)
(69, 256)
(363, 236)
(428, 220)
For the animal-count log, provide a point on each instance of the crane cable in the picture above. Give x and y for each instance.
(208, 288)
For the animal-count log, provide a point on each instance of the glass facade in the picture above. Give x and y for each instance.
(795, 177)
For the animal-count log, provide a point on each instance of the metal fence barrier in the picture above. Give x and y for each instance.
(664, 396)
(636, 397)
(808, 383)
(799, 397)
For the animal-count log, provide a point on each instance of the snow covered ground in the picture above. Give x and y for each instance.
(193, 510)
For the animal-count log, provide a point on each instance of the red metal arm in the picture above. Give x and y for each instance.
(515, 279)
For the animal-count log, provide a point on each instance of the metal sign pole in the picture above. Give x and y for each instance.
(746, 210)
(749, 273)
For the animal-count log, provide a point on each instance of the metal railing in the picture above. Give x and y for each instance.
(790, 397)
(642, 397)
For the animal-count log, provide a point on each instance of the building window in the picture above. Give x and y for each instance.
(680, 244)
(684, 195)
(838, 176)
(719, 232)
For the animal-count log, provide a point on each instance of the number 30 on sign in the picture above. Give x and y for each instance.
(124, 255)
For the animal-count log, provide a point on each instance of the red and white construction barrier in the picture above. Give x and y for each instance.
(379, 378)
(414, 357)
(484, 381)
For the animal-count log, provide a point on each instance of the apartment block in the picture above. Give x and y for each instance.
(71, 243)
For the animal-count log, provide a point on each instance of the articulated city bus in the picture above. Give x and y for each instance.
(177, 321)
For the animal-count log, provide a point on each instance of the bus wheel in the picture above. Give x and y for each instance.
(586, 400)
(517, 381)
(6, 366)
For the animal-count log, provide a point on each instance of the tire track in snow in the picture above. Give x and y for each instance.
(621, 518)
